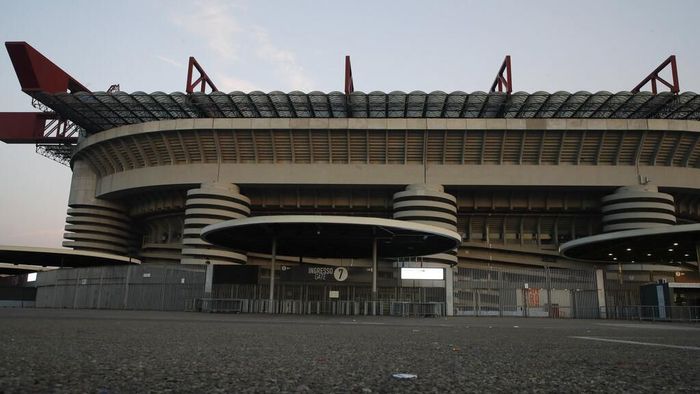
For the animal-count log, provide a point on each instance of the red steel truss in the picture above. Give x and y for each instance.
(654, 77)
(503, 81)
(36, 128)
(36, 73)
(349, 86)
(203, 81)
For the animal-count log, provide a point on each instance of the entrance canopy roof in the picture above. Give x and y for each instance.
(17, 269)
(674, 245)
(331, 236)
(56, 257)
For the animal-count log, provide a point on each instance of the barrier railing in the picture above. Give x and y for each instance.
(347, 308)
(654, 313)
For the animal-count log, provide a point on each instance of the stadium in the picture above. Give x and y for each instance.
(516, 175)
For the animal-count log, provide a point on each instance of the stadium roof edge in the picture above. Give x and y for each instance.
(97, 111)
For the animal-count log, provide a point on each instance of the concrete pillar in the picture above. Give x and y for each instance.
(600, 287)
(638, 206)
(209, 280)
(94, 224)
(209, 204)
(429, 204)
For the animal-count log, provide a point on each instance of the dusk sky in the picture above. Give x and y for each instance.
(300, 45)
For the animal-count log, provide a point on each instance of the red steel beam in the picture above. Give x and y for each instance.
(36, 73)
(503, 81)
(34, 128)
(654, 77)
(203, 79)
(349, 85)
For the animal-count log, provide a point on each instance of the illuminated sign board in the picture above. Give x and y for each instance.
(423, 273)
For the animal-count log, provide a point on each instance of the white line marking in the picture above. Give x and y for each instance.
(639, 343)
(649, 326)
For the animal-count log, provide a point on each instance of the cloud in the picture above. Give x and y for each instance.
(232, 40)
(283, 60)
(170, 61)
(227, 84)
(215, 23)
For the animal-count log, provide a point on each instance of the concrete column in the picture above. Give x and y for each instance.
(600, 287)
(429, 204)
(272, 273)
(638, 206)
(449, 290)
(374, 269)
(209, 204)
(94, 224)
(209, 280)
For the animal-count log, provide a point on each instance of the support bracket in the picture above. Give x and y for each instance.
(654, 77)
(203, 81)
(503, 81)
(349, 86)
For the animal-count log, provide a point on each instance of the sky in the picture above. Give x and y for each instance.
(283, 45)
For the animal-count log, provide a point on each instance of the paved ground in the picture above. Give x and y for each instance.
(124, 351)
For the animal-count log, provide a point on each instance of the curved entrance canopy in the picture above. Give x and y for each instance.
(331, 236)
(675, 245)
(57, 257)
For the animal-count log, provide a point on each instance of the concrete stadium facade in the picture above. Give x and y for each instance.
(516, 175)
(515, 189)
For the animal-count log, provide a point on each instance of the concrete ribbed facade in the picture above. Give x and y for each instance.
(209, 204)
(514, 188)
(428, 204)
(95, 224)
(633, 207)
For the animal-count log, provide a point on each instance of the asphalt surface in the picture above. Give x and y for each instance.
(126, 351)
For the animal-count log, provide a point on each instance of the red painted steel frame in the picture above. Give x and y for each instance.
(36, 73)
(349, 86)
(31, 128)
(203, 79)
(654, 76)
(503, 81)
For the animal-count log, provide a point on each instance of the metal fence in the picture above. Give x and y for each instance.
(478, 291)
(315, 299)
(526, 292)
(655, 313)
(147, 287)
(346, 308)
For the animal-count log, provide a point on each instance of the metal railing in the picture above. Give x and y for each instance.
(338, 307)
(654, 313)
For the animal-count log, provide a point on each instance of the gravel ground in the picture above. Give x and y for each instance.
(126, 351)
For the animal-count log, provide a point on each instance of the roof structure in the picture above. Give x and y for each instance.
(60, 257)
(331, 236)
(672, 245)
(97, 111)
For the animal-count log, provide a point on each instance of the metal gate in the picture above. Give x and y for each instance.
(525, 292)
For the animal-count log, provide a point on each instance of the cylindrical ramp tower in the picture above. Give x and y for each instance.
(428, 204)
(639, 206)
(211, 203)
(94, 224)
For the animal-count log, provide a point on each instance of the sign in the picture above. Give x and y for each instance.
(533, 297)
(423, 273)
(324, 273)
(334, 294)
(340, 274)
